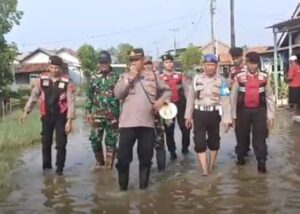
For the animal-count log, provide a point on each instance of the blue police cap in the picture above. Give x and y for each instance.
(210, 58)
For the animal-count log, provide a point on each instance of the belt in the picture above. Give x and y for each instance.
(207, 108)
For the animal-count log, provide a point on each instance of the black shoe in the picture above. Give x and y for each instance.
(241, 161)
(59, 172)
(261, 166)
(144, 177)
(123, 179)
(185, 151)
(161, 159)
(173, 156)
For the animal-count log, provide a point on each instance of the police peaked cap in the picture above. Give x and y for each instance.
(167, 57)
(236, 52)
(253, 57)
(56, 60)
(104, 57)
(136, 53)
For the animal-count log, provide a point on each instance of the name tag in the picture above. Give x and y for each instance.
(61, 85)
(176, 76)
(46, 83)
(260, 77)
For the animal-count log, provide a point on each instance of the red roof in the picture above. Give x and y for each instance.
(225, 59)
(32, 68)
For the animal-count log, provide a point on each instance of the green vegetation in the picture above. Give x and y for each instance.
(14, 136)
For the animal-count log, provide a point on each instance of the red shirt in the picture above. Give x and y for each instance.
(174, 81)
(294, 76)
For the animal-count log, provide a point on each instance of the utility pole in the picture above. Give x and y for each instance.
(232, 29)
(212, 13)
(174, 30)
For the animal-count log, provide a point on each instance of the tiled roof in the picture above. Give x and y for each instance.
(31, 68)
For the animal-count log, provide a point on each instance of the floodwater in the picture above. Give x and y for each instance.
(181, 189)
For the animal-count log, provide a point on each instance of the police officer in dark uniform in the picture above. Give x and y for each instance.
(56, 95)
(178, 85)
(142, 94)
(253, 107)
(238, 66)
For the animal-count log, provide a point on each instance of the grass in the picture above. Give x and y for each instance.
(15, 136)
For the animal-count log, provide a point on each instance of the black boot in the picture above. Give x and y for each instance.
(261, 166)
(161, 159)
(241, 161)
(144, 177)
(173, 156)
(123, 178)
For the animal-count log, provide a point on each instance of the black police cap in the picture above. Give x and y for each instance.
(236, 52)
(104, 57)
(253, 57)
(167, 57)
(56, 60)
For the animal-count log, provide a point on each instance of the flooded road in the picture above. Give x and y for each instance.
(181, 189)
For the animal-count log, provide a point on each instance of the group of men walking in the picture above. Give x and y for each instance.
(125, 107)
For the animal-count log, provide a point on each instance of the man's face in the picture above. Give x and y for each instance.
(169, 65)
(252, 67)
(55, 70)
(104, 67)
(237, 61)
(210, 69)
(137, 64)
(148, 67)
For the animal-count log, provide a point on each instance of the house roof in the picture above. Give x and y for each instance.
(67, 50)
(225, 59)
(215, 42)
(286, 25)
(259, 49)
(31, 67)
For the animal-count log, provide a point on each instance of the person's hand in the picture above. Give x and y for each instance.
(68, 126)
(270, 123)
(158, 104)
(133, 73)
(233, 124)
(227, 127)
(188, 123)
(22, 117)
(89, 119)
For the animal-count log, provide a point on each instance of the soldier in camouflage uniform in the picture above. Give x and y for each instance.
(159, 128)
(103, 111)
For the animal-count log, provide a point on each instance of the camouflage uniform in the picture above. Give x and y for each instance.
(160, 143)
(105, 110)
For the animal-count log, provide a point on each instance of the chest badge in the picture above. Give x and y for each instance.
(46, 83)
(61, 85)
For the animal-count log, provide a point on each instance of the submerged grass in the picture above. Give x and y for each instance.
(14, 137)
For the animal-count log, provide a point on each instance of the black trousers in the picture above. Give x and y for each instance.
(206, 124)
(145, 137)
(184, 131)
(247, 142)
(49, 125)
(254, 119)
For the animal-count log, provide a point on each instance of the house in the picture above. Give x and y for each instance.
(28, 68)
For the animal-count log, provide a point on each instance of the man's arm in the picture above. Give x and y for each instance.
(89, 98)
(164, 90)
(122, 87)
(35, 93)
(233, 99)
(190, 103)
(270, 99)
(71, 101)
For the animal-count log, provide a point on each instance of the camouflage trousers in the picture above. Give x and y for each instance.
(159, 133)
(111, 135)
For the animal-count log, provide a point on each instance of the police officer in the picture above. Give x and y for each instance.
(159, 128)
(238, 66)
(138, 89)
(252, 106)
(178, 86)
(56, 96)
(102, 110)
(208, 102)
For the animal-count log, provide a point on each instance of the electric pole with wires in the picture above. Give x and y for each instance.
(212, 14)
(232, 28)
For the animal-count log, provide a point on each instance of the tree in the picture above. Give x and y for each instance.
(9, 16)
(89, 59)
(190, 57)
(122, 52)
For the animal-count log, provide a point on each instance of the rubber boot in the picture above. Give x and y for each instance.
(161, 159)
(261, 166)
(100, 158)
(144, 177)
(123, 178)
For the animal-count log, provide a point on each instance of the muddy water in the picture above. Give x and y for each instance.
(181, 189)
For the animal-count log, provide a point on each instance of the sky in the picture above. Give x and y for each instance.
(150, 24)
